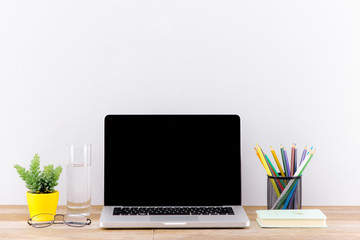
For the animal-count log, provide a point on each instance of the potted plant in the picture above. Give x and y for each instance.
(41, 197)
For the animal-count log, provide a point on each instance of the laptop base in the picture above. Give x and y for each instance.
(238, 220)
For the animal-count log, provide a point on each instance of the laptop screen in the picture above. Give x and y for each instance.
(172, 160)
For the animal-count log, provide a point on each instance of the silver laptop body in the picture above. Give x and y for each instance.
(172, 171)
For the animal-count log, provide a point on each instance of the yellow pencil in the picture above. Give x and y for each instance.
(262, 159)
(277, 162)
(259, 157)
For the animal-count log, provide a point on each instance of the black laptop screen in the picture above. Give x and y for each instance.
(172, 160)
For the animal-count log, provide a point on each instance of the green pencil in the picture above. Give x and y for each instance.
(281, 199)
(283, 160)
(274, 170)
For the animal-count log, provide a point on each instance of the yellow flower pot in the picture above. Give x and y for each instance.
(42, 202)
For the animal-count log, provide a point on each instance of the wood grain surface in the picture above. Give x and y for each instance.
(343, 223)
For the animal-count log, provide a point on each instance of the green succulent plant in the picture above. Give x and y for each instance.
(37, 181)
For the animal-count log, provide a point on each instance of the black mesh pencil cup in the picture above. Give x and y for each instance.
(291, 199)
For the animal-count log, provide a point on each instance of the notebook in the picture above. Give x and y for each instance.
(172, 171)
(291, 218)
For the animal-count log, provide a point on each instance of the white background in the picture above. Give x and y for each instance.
(290, 69)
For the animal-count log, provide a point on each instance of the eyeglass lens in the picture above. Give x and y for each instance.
(46, 219)
(75, 220)
(41, 220)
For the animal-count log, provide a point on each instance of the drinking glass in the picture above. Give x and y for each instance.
(78, 178)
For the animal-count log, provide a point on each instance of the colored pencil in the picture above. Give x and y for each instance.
(295, 159)
(280, 183)
(262, 162)
(289, 186)
(303, 155)
(290, 197)
(283, 160)
(277, 161)
(309, 151)
(258, 149)
(262, 156)
(259, 157)
(293, 201)
(279, 186)
(292, 160)
(287, 164)
(271, 167)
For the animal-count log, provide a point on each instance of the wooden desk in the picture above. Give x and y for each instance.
(343, 223)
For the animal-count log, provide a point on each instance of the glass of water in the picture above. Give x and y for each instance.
(78, 178)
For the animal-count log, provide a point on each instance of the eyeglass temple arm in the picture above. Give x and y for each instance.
(88, 221)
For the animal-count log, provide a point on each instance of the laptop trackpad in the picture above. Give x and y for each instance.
(170, 219)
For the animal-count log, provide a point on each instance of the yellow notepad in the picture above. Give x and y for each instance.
(291, 218)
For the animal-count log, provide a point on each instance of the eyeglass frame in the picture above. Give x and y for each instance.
(55, 221)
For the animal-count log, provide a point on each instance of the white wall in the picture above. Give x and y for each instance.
(291, 69)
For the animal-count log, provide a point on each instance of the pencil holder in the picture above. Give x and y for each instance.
(284, 192)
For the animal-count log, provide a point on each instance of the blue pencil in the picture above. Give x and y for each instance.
(293, 201)
(309, 151)
(287, 164)
(290, 195)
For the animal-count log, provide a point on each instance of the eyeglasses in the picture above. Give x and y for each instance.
(46, 219)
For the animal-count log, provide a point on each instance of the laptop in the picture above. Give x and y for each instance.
(172, 171)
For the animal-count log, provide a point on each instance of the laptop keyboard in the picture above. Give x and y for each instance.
(173, 211)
